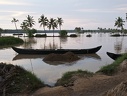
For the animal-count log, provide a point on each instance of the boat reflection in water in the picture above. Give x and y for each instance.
(24, 56)
(82, 57)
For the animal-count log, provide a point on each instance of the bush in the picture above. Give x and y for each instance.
(10, 41)
(73, 35)
(63, 33)
(30, 32)
(40, 35)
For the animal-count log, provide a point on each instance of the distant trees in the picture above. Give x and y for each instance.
(119, 23)
(79, 29)
(27, 25)
(59, 22)
(43, 21)
(51, 23)
(63, 33)
(29, 21)
(14, 21)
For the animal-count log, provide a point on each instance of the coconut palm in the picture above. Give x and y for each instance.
(43, 21)
(30, 21)
(14, 21)
(126, 16)
(59, 22)
(119, 23)
(52, 24)
(24, 25)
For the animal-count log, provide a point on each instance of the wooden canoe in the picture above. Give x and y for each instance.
(56, 51)
(113, 55)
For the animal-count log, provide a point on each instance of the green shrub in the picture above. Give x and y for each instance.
(73, 35)
(30, 32)
(63, 33)
(112, 68)
(10, 41)
(40, 35)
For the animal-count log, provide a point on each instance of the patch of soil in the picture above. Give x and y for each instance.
(67, 57)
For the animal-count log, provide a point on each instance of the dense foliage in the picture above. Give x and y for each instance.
(63, 33)
(10, 41)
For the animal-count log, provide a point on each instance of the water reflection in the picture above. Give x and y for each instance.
(118, 47)
(49, 73)
(63, 39)
(29, 42)
(22, 56)
(82, 57)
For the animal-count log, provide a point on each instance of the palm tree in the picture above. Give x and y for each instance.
(30, 21)
(52, 24)
(14, 21)
(24, 26)
(43, 21)
(126, 16)
(119, 23)
(59, 22)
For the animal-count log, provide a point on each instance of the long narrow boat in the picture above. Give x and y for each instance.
(113, 55)
(56, 51)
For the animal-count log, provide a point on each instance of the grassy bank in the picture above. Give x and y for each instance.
(69, 77)
(7, 41)
(17, 80)
(112, 68)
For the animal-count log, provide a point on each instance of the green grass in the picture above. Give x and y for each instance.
(112, 68)
(6, 41)
(67, 77)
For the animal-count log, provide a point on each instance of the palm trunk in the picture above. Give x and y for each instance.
(53, 32)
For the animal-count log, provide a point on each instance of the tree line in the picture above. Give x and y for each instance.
(29, 22)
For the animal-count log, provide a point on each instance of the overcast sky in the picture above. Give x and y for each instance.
(89, 14)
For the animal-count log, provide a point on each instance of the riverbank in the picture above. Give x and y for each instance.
(81, 83)
(97, 85)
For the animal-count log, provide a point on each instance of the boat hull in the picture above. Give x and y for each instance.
(56, 51)
(113, 55)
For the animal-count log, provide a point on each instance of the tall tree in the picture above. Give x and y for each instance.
(126, 16)
(43, 21)
(30, 21)
(24, 26)
(52, 24)
(14, 21)
(59, 22)
(119, 23)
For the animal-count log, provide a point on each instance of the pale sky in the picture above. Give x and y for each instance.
(89, 14)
